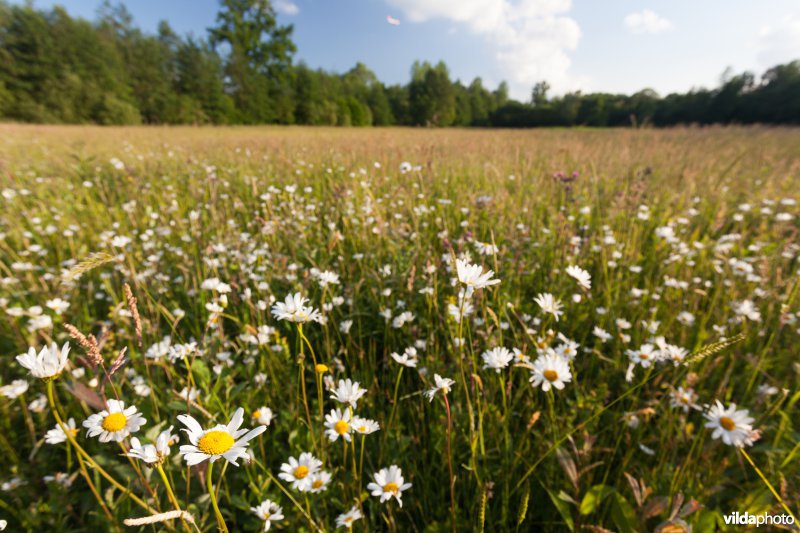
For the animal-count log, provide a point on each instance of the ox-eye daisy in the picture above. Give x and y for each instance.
(583, 278)
(299, 472)
(347, 519)
(364, 426)
(549, 304)
(388, 483)
(228, 441)
(550, 370)
(153, 454)
(48, 363)
(269, 512)
(57, 434)
(293, 309)
(473, 276)
(337, 424)
(442, 384)
(734, 427)
(348, 391)
(497, 358)
(114, 423)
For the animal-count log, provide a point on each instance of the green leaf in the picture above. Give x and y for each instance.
(562, 507)
(594, 497)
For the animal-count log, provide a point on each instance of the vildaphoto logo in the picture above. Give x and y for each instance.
(746, 519)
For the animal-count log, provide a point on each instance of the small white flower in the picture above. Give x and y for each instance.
(153, 453)
(550, 370)
(48, 363)
(269, 512)
(474, 277)
(732, 425)
(114, 423)
(497, 358)
(337, 424)
(347, 519)
(299, 471)
(57, 435)
(549, 304)
(228, 442)
(388, 483)
(442, 384)
(583, 278)
(293, 309)
(14, 389)
(349, 392)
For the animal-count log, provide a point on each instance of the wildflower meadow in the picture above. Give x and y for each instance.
(308, 329)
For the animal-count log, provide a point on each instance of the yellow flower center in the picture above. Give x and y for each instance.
(256, 414)
(341, 427)
(317, 484)
(73, 432)
(114, 422)
(300, 472)
(215, 442)
(362, 429)
(644, 356)
(321, 369)
(391, 487)
(727, 423)
(550, 375)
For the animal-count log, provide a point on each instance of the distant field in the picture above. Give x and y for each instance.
(582, 399)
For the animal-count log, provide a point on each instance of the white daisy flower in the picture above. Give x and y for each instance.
(646, 355)
(153, 453)
(338, 425)
(318, 482)
(442, 384)
(684, 399)
(364, 426)
(497, 358)
(550, 370)
(48, 363)
(549, 304)
(348, 391)
(734, 427)
(228, 441)
(389, 483)
(347, 519)
(263, 415)
(14, 389)
(293, 309)
(407, 358)
(114, 423)
(299, 472)
(473, 276)
(57, 435)
(583, 278)
(269, 512)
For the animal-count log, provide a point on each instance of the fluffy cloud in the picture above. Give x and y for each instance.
(531, 38)
(287, 7)
(779, 43)
(647, 22)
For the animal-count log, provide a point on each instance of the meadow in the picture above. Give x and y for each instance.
(425, 330)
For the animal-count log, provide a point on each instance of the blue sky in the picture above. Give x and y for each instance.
(609, 45)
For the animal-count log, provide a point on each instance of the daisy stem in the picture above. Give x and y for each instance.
(89, 482)
(171, 494)
(28, 420)
(294, 502)
(210, 486)
(450, 466)
(394, 401)
(89, 460)
(768, 484)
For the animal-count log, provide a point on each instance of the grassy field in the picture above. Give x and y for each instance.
(575, 403)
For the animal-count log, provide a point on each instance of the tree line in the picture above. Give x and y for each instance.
(55, 68)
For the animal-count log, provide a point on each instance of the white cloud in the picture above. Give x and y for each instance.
(779, 43)
(647, 22)
(531, 38)
(287, 7)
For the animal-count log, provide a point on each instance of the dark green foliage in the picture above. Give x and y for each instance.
(55, 68)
